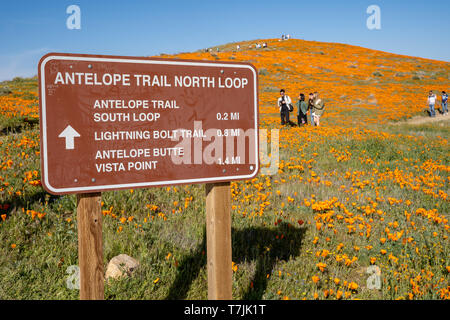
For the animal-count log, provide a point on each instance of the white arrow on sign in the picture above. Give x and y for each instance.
(70, 134)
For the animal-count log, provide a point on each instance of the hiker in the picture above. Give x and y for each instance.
(319, 107)
(431, 103)
(302, 118)
(284, 102)
(264, 45)
(444, 101)
(311, 106)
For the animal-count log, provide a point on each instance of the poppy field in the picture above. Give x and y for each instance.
(358, 208)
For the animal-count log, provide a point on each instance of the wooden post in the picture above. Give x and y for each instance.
(218, 241)
(90, 246)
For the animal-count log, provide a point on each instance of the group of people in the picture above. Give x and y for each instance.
(258, 45)
(315, 106)
(285, 36)
(432, 99)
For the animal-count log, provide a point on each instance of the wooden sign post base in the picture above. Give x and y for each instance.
(90, 246)
(218, 241)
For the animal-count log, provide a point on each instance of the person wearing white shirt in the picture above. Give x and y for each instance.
(283, 103)
(431, 103)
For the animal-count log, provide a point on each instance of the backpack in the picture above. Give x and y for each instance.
(291, 107)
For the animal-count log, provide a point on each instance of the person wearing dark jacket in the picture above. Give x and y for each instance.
(444, 102)
(302, 110)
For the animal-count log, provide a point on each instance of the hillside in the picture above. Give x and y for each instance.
(364, 189)
(365, 85)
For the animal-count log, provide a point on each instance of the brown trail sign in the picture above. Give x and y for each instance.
(116, 123)
(111, 122)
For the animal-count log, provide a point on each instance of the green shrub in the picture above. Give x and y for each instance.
(270, 89)
(263, 72)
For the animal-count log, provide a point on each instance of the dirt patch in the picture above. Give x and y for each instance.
(424, 120)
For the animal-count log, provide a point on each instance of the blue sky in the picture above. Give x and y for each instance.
(30, 29)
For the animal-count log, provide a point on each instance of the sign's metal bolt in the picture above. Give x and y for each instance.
(221, 71)
(93, 180)
(75, 180)
(251, 167)
(90, 66)
(224, 170)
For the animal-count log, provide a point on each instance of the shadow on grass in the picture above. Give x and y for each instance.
(265, 246)
(19, 126)
(9, 205)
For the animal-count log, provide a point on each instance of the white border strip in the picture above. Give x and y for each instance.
(141, 184)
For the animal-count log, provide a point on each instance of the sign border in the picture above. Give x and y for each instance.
(149, 60)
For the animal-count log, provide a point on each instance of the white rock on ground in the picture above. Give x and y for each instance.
(120, 266)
